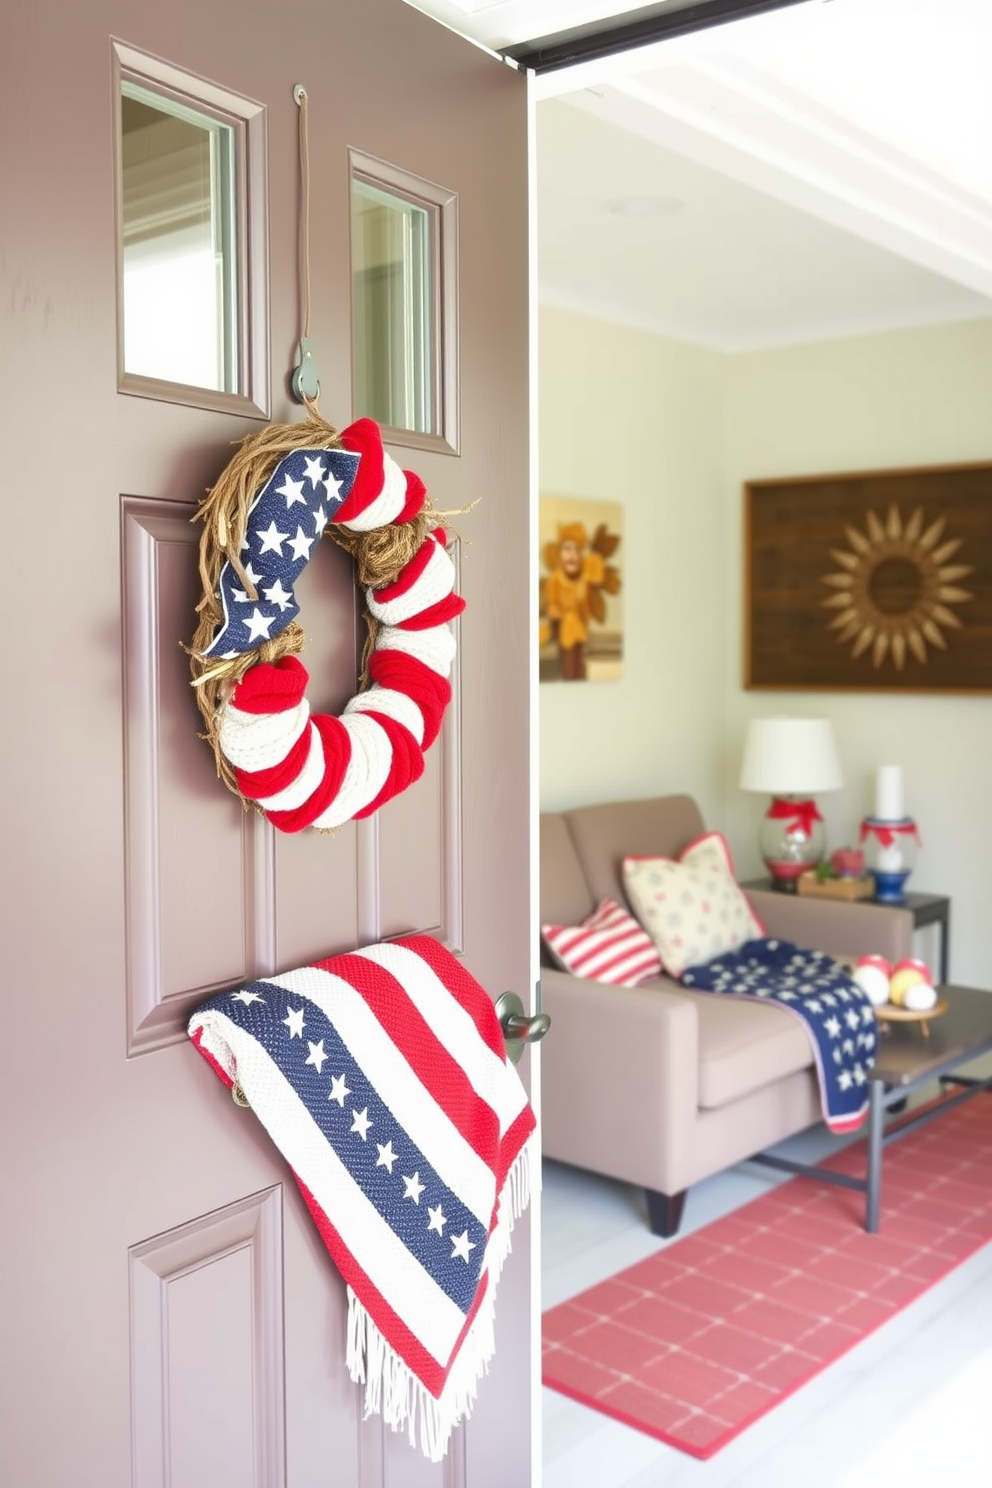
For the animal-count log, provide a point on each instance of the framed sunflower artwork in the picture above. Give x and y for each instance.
(581, 590)
(879, 582)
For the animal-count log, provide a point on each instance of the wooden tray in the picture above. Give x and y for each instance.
(835, 888)
(890, 1013)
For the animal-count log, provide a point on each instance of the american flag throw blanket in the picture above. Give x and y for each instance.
(837, 1015)
(382, 1078)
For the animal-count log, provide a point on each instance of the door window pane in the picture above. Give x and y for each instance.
(392, 256)
(179, 232)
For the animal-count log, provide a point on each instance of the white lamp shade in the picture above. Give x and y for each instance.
(790, 756)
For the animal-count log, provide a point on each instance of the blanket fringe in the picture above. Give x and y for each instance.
(391, 1389)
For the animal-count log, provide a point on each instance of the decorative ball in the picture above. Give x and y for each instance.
(919, 998)
(906, 974)
(873, 979)
(874, 960)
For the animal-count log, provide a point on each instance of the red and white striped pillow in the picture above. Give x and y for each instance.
(610, 946)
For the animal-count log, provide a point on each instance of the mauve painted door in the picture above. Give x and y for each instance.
(170, 1316)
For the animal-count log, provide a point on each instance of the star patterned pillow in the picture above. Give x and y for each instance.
(692, 908)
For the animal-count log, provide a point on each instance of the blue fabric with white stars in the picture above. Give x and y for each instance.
(285, 523)
(811, 984)
(379, 1154)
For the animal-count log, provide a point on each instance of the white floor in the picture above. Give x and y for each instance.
(911, 1407)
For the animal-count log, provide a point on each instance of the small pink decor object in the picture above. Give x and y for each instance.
(848, 862)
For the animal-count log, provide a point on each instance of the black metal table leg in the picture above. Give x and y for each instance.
(876, 1128)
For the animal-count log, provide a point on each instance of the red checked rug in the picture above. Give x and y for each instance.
(697, 1342)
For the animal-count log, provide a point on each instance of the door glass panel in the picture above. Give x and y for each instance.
(179, 232)
(393, 302)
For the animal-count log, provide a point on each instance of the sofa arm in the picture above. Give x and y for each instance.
(619, 1077)
(843, 930)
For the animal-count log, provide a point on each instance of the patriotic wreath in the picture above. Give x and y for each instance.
(288, 486)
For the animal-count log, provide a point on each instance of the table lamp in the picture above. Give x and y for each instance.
(791, 759)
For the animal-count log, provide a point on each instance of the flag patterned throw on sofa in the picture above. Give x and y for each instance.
(838, 1017)
(382, 1078)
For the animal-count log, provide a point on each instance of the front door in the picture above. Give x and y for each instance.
(170, 1316)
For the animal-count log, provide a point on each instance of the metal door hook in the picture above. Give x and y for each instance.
(305, 382)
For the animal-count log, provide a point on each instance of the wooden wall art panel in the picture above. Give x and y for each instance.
(876, 582)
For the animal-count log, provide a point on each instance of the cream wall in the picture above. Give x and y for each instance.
(920, 397)
(630, 417)
(673, 431)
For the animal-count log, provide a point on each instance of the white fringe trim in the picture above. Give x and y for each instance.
(391, 1389)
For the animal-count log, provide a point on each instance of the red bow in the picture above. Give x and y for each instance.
(803, 814)
(888, 832)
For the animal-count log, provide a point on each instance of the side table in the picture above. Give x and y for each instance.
(926, 909)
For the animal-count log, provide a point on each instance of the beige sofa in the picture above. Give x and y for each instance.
(657, 1085)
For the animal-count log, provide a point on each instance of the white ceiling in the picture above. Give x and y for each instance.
(833, 159)
(736, 268)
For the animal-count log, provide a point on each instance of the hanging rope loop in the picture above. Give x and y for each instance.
(305, 382)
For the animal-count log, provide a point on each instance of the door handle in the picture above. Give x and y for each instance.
(518, 1029)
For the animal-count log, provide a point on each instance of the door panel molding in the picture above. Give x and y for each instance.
(193, 856)
(193, 1343)
(368, 859)
(384, 1454)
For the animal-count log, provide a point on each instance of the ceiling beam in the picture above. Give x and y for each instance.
(637, 28)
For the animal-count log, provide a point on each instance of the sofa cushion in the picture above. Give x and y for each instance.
(609, 946)
(745, 1046)
(604, 835)
(565, 896)
(691, 907)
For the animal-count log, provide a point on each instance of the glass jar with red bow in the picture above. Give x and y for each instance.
(891, 850)
(792, 838)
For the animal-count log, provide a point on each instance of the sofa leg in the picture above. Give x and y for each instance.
(664, 1212)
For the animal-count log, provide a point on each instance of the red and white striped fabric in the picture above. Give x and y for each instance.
(609, 946)
(382, 1078)
(319, 770)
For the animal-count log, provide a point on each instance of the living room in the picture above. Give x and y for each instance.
(785, 346)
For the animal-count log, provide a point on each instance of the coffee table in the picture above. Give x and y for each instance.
(905, 1061)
